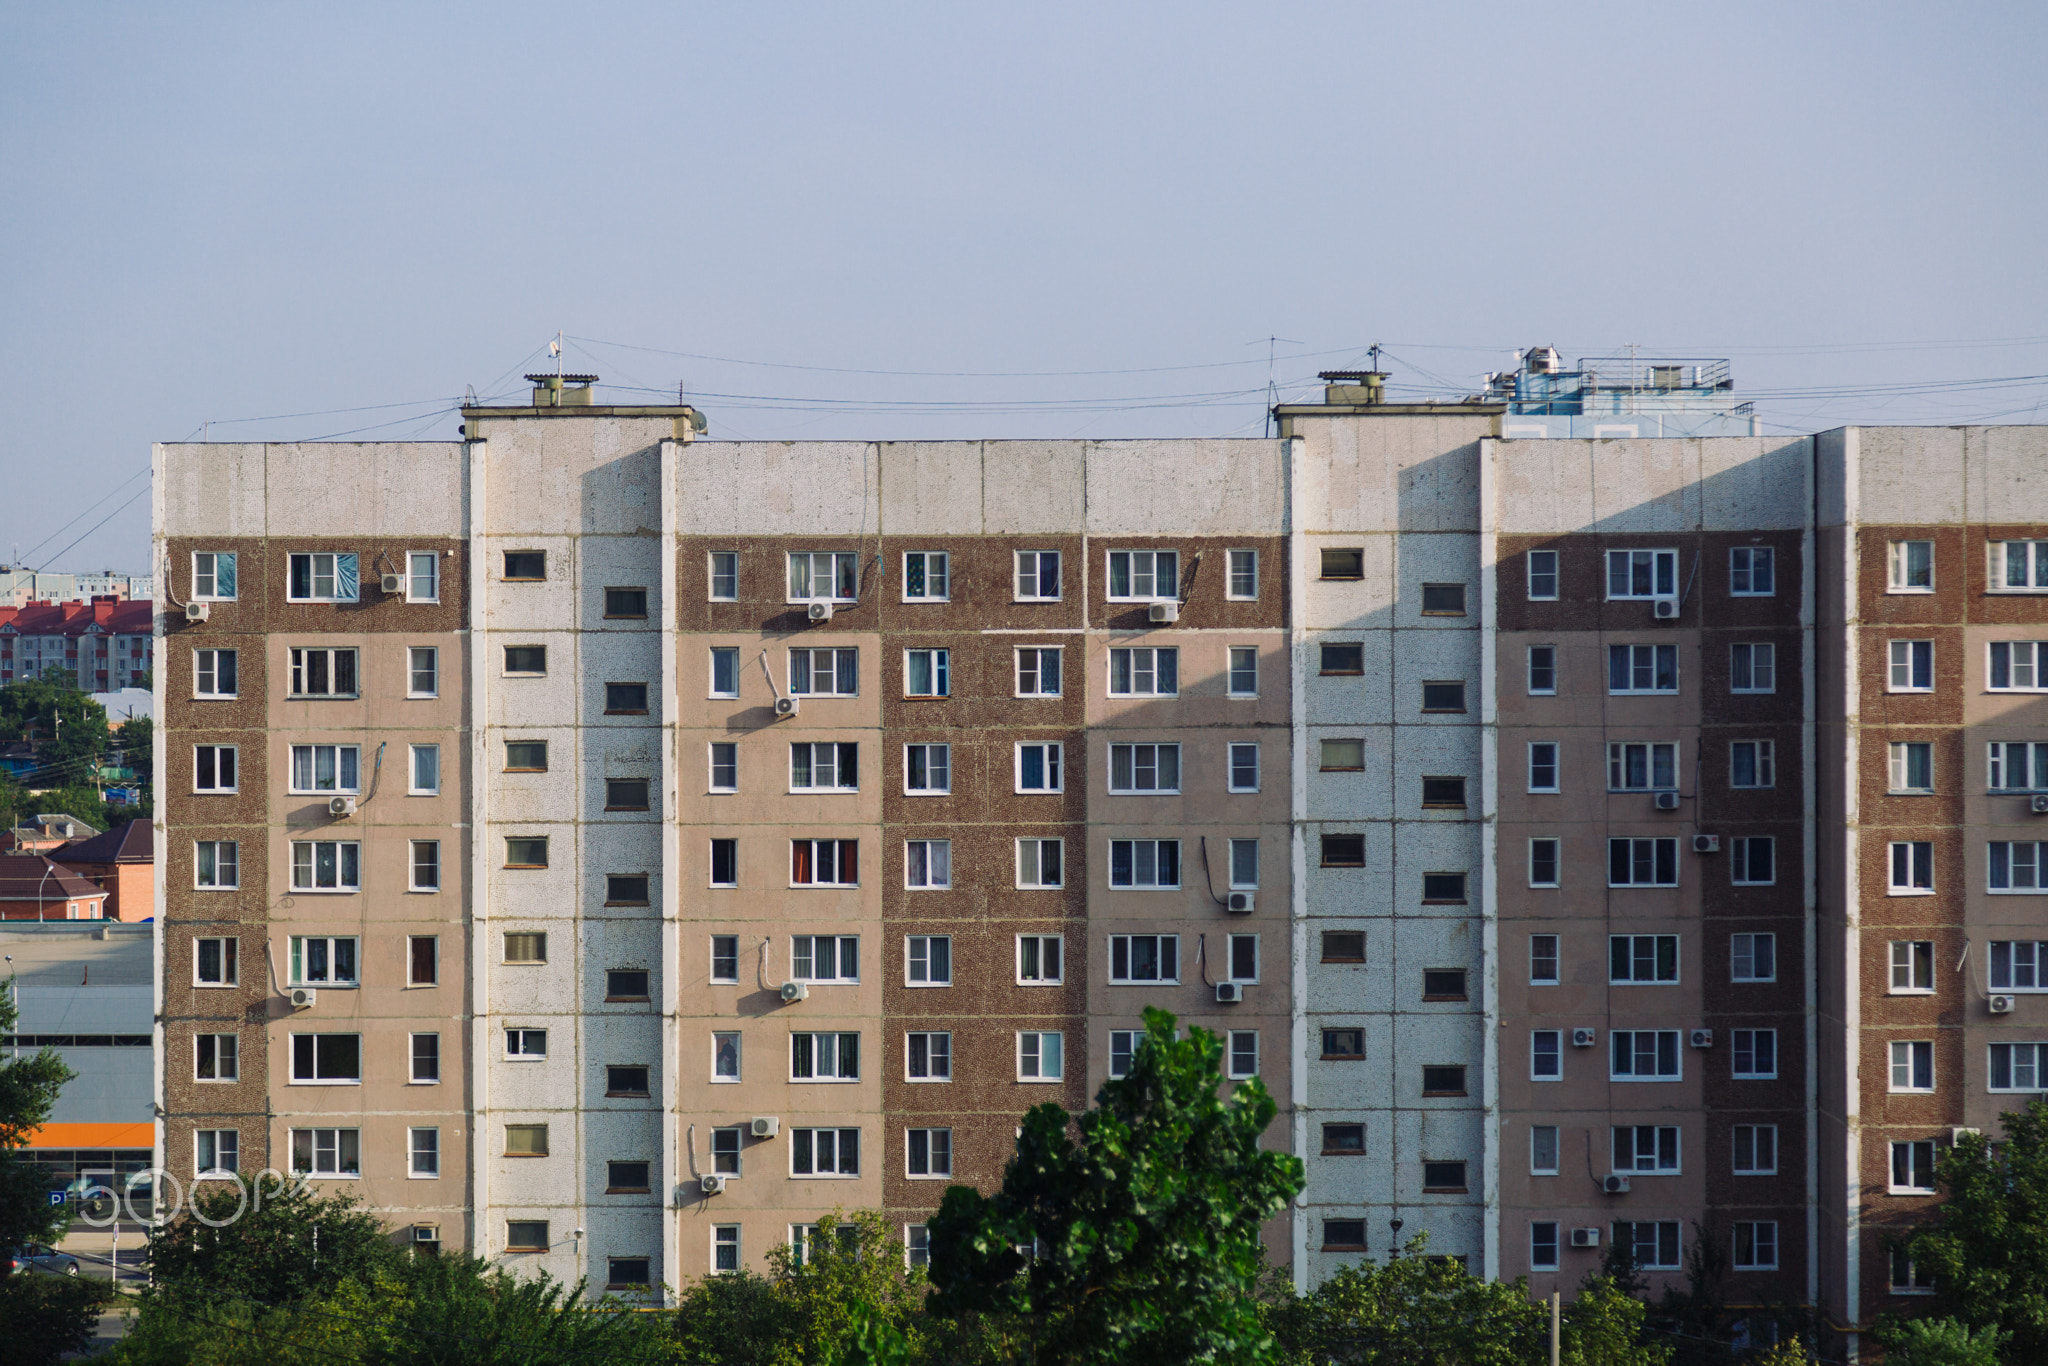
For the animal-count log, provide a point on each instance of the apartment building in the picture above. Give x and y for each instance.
(105, 644)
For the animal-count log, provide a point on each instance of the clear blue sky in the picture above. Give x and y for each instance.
(219, 212)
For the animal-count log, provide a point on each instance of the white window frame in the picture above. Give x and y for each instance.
(1231, 850)
(1159, 946)
(917, 948)
(1662, 568)
(1744, 562)
(421, 564)
(296, 956)
(1230, 946)
(2017, 1079)
(1037, 575)
(1555, 943)
(931, 1146)
(414, 1151)
(943, 769)
(1742, 948)
(1231, 576)
(525, 1045)
(413, 753)
(1051, 760)
(412, 866)
(724, 1236)
(1031, 1053)
(1916, 1169)
(838, 1075)
(412, 670)
(1540, 565)
(338, 1173)
(1652, 1162)
(206, 669)
(1755, 662)
(211, 576)
(1234, 1045)
(937, 859)
(1123, 1048)
(838, 862)
(719, 1039)
(1634, 952)
(1912, 960)
(810, 763)
(1538, 1167)
(1150, 576)
(1742, 852)
(1756, 1166)
(1134, 885)
(2010, 961)
(1131, 674)
(292, 1076)
(1059, 954)
(1632, 690)
(836, 561)
(313, 888)
(1036, 674)
(1530, 679)
(231, 865)
(1759, 1260)
(1135, 752)
(1763, 765)
(938, 667)
(1556, 861)
(2022, 658)
(944, 576)
(1749, 1044)
(1899, 767)
(711, 575)
(2000, 761)
(230, 957)
(1546, 1045)
(724, 949)
(334, 575)
(1898, 560)
(1615, 1043)
(808, 954)
(1901, 664)
(811, 667)
(227, 1062)
(1038, 858)
(1230, 757)
(312, 766)
(1536, 765)
(1915, 865)
(711, 766)
(233, 764)
(2033, 572)
(719, 652)
(806, 1138)
(205, 1140)
(1233, 672)
(1670, 840)
(1909, 1059)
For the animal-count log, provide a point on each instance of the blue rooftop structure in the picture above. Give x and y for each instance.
(1617, 396)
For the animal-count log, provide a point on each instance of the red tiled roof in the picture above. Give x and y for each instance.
(133, 842)
(113, 616)
(28, 877)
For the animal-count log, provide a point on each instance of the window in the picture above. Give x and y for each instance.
(725, 670)
(1912, 1065)
(1149, 865)
(2015, 866)
(825, 957)
(824, 576)
(927, 770)
(526, 1140)
(1912, 566)
(422, 960)
(321, 577)
(327, 1059)
(725, 770)
(1343, 851)
(1038, 575)
(1244, 576)
(630, 984)
(1443, 599)
(526, 756)
(213, 768)
(1342, 563)
(1756, 1149)
(326, 768)
(1038, 863)
(1753, 957)
(1908, 1279)
(1443, 1081)
(1543, 1246)
(1343, 1235)
(1642, 863)
(213, 575)
(1543, 960)
(327, 1152)
(1244, 768)
(625, 889)
(1242, 958)
(1139, 958)
(425, 866)
(1912, 666)
(1344, 1045)
(1642, 958)
(1244, 671)
(422, 576)
(423, 1153)
(526, 1235)
(217, 1152)
(725, 961)
(1443, 697)
(1143, 575)
(1443, 1178)
(824, 863)
(1144, 673)
(526, 851)
(927, 673)
(1912, 867)
(1644, 1055)
(625, 699)
(425, 1054)
(1543, 576)
(216, 1057)
(1751, 861)
(1344, 1140)
(1343, 946)
(426, 770)
(1542, 670)
(2009, 771)
(1752, 667)
(326, 866)
(725, 1056)
(526, 659)
(1750, 763)
(216, 865)
(1750, 571)
(928, 864)
(1912, 964)
(928, 1152)
(826, 766)
(1038, 671)
(1444, 793)
(625, 794)
(824, 1057)
(1756, 1245)
(824, 673)
(1642, 767)
(1038, 960)
(526, 946)
(524, 1044)
(2018, 666)
(526, 565)
(724, 567)
(928, 1056)
(2018, 565)
(1546, 1056)
(1543, 1149)
(1755, 1053)
(725, 1247)
(1642, 668)
(627, 604)
(2016, 1067)
(1144, 768)
(1543, 765)
(1642, 574)
(1648, 1148)
(2017, 965)
(1242, 1059)
(1650, 1246)
(213, 673)
(924, 576)
(725, 1161)
(1443, 889)
(627, 1271)
(1038, 768)
(625, 1081)
(1244, 864)
(1543, 862)
(1344, 659)
(1039, 1056)
(1913, 1167)
(423, 671)
(1123, 1050)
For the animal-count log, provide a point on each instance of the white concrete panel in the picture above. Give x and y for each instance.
(2007, 474)
(1344, 796)
(537, 893)
(397, 488)
(1749, 483)
(931, 488)
(778, 488)
(212, 490)
(1352, 699)
(617, 562)
(1201, 487)
(1909, 474)
(523, 700)
(524, 605)
(1442, 558)
(541, 988)
(1346, 604)
(1033, 487)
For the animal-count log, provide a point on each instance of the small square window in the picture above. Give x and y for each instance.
(1443, 984)
(526, 565)
(1343, 659)
(625, 794)
(625, 699)
(1343, 946)
(1443, 599)
(625, 889)
(1343, 563)
(1443, 697)
(625, 603)
(1343, 851)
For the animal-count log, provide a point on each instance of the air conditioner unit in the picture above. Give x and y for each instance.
(786, 706)
(1239, 903)
(427, 1233)
(1706, 844)
(1165, 612)
(2000, 1005)
(1585, 1237)
(764, 1126)
(393, 583)
(2038, 803)
(341, 806)
(1667, 801)
(1616, 1184)
(1229, 993)
(304, 997)
(1664, 609)
(819, 611)
(1701, 1038)
(1585, 1038)
(1956, 1134)
(711, 1185)
(197, 611)
(796, 991)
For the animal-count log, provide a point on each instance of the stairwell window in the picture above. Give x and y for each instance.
(1443, 599)
(1642, 669)
(526, 660)
(924, 576)
(1642, 574)
(322, 577)
(625, 699)
(526, 946)
(1343, 658)
(526, 852)
(1911, 666)
(1343, 851)
(213, 575)
(2018, 566)
(1343, 562)
(824, 576)
(1752, 667)
(323, 673)
(2018, 666)
(1144, 575)
(1912, 868)
(526, 566)
(213, 673)
(2015, 866)
(1911, 566)
(1144, 673)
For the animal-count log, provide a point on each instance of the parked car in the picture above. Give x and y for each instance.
(37, 1257)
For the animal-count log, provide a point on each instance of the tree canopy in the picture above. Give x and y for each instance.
(1987, 1244)
(29, 1086)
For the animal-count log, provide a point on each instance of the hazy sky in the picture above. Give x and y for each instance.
(220, 212)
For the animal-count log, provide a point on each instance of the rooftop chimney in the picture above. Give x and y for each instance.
(561, 391)
(1354, 386)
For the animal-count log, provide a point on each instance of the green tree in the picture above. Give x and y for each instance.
(1604, 1327)
(1988, 1242)
(28, 1091)
(740, 1319)
(136, 744)
(1415, 1310)
(1940, 1342)
(1144, 1236)
(847, 1292)
(46, 1316)
(275, 1242)
(69, 727)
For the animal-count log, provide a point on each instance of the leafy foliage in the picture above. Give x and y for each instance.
(848, 1288)
(28, 1091)
(70, 727)
(1988, 1243)
(1146, 1232)
(1415, 1310)
(1940, 1342)
(288, 1242)
(46, 1316)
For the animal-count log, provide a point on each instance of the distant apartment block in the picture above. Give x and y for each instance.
(104, 645)
(20, 587)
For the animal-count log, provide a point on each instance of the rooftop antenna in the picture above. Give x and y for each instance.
(1272, 386)
(555, 349)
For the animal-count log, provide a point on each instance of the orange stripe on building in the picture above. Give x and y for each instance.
(93, 1136)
